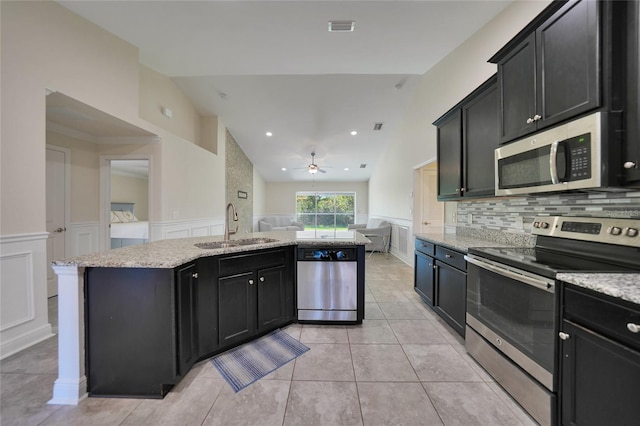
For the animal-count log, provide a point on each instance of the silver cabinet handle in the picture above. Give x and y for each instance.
(537, 117)
(634, 328)
(261, 279)
(553, 168)
(194, 275)
(629, 165)
(250, 282)
(529, 120)
(563, 336)
(448, 256)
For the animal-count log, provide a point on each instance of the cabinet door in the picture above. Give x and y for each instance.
(451, 295)
(271, 297)
(207, 305)
(423, 278)
(236, 307)
(517, 97)
(450, 155)
(568, 70)
(479, 141)
(186, 289)
(599, 383)
(631, 154)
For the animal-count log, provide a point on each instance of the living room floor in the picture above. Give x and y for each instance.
(403, 365)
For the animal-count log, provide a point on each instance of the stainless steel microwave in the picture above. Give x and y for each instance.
(567, 157)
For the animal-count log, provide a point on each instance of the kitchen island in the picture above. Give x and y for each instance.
(154, 309)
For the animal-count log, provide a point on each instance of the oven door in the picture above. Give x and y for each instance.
(516, 312)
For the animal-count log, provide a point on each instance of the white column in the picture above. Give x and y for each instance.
(71, 386)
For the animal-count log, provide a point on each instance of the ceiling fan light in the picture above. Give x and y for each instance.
(313, 169)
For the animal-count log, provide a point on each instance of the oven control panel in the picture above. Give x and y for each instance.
(601, 230)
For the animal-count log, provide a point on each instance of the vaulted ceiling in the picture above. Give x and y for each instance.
(273, 66)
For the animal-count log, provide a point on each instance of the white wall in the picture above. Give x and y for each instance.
(45, 46)
(259, 197)
(441, 87)
(281, 196)
(131, 189)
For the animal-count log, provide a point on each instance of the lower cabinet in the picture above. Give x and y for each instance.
(600, 365)
(440, 279)
(146, 327)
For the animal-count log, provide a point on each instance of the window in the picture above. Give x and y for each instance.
(330, 211)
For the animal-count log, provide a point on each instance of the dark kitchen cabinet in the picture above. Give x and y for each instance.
(551, 71)
(440, 279)
(467, 138)
(600, 365)
(208, 333)
(187, 299)
(424, 277)
(255, 293)
(139, 329)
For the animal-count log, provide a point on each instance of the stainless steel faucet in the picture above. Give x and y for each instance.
(228, 232)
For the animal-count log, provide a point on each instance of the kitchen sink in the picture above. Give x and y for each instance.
(250, 241)
(234, 243)
(217, 244)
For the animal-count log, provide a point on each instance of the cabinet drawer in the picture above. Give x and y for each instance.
(239, 263)
(425, 247)
(602, 314)
(451, 257)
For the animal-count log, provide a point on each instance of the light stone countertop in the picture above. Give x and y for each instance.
(622, 286)
(176, 252)
(463, 243)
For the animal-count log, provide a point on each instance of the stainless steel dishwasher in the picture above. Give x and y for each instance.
(327, 284)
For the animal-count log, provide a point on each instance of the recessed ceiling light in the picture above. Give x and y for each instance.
(346, 169)
(353, 133)
(269, 134)
(284, 169)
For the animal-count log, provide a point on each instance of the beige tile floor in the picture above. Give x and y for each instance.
(402, 366)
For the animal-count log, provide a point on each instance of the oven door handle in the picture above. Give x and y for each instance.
(541, 283)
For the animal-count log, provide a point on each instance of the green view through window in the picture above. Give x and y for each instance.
(331, 211)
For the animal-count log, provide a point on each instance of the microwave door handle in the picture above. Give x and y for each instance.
(553, 164)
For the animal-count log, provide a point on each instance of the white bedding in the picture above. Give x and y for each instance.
(139, 229)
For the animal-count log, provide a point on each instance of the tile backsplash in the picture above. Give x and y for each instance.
(515, 215)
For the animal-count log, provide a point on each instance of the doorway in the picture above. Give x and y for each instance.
(428, 211)
(125, 191)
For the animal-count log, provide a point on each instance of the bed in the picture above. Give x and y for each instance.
(126, 229)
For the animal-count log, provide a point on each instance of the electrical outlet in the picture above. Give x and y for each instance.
(454, 217)
(175, 214)
(469, 218)
(519, 223)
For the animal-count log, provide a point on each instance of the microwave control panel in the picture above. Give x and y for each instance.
(579, 157)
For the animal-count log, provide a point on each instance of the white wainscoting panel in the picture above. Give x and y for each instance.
(23, 293)
(83, 238)
(186, 228)
(401, 247)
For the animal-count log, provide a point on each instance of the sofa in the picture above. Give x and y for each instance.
(376, 230)
(279, 223)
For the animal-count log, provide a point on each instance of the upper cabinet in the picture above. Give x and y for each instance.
(467, 137)
(631, 154)
(551, 71)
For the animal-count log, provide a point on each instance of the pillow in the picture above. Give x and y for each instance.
(129, 216)
(126, 216)
(114, 217)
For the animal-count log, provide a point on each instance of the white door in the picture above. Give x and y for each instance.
(432, 211)
(56, 226)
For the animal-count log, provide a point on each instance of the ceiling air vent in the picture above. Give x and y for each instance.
(341, 26)
(362, 166)
(377, 126)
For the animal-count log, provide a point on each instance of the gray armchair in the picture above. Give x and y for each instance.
(376, 230)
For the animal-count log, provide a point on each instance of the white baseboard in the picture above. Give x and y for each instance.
(29, 338)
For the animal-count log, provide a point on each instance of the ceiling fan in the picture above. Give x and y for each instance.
(313, 168)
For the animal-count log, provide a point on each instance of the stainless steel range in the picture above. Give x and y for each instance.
(513, 306)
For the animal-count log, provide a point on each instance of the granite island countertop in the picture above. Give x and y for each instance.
(622, 286)
(176, 252)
